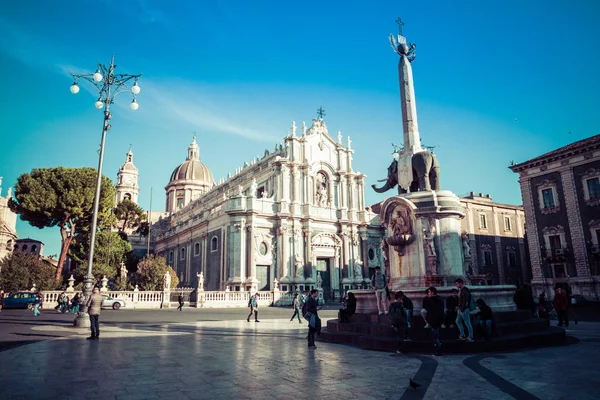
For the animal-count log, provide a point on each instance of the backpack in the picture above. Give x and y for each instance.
(304, 308)
(397, 315)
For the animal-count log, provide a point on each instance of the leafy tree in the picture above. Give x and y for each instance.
(110, 250)
(19, 271)
(62, 197)
(151, 271)
(129, 215)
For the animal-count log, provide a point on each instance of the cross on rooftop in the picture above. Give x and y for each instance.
(321, 112)
(400, 25)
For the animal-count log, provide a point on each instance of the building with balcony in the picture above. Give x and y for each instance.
(561, 197)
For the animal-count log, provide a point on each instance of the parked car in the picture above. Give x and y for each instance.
(578, 300)
(111, 302)
(19, 300)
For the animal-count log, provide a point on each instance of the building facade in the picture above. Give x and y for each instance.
(8, 224)
(561, 196)
(30, 246)
(295, 217)
(495, 234)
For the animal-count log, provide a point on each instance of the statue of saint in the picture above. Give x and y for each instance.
(465, 245)
(253, 187)
(123, 271)
(167, 280)
(200, 281)
(299, 263)
(319, 280)
(358, 269)
(400, 224)
(428, 235)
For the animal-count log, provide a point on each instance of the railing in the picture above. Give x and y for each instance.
(137, 299)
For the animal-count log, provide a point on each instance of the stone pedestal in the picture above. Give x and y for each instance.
(166, 300)
(499, 298)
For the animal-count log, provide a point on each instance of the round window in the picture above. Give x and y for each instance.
(371, 254)
(263, 249)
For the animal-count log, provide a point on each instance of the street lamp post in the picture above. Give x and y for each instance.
(109, 85)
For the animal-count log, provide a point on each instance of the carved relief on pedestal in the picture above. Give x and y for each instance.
(400, 229)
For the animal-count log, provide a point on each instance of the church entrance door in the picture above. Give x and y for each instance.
(323, 267)
(262, 274)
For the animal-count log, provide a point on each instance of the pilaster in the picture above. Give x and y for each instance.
(575, 225)
(533, 239)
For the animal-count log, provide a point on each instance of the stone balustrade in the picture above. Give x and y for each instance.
(139, 299)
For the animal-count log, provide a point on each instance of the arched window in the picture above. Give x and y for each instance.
(171, 257)
(182, 253)
(214, 244)
(33, 248)
(24, 248)
(196, 249)
(127, 196)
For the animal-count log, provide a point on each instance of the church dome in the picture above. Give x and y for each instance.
(192, 170)
(189, 180)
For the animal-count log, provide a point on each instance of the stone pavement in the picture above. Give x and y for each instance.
(234, 359)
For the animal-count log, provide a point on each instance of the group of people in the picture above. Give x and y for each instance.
(456, 311)
(65, 304)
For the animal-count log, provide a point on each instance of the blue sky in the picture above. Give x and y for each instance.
(495, 81)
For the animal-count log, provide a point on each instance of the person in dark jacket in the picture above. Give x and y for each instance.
(484, 318)
(435, 316)
(398, 319)
(561, 305)
(314, 322)
(464, 311)
(451, 306)
(408, 309)
(180, 300)
(350, 308)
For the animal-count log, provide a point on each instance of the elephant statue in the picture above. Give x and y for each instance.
(426, 174)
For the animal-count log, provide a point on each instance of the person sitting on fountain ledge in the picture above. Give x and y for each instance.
(379, 284)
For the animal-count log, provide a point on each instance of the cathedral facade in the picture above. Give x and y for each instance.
(295, 218)
(8, 223)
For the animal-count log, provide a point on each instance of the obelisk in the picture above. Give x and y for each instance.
(410, 126)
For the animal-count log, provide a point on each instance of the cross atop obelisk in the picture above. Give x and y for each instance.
(400, 25)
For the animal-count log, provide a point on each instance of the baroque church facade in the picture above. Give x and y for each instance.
(295, 218)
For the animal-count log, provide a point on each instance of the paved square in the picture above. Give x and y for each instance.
(168, 354)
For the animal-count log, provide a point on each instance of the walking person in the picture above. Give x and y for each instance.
(297, 306)
(37, 304)
(1, 299)
(314, 322)
(379, 285)
(180, 300)
(435, 316)
(253, 304)
(75, 304)
(408, 310)
(451, 306)
(398, 320)
(94, 305)
(464, 311)
(561, 305)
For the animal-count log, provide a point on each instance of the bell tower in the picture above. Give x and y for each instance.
(127, 181)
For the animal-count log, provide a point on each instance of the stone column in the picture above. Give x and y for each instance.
(343, 193)
(308, 249)
(251, 262)
(285, 246)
